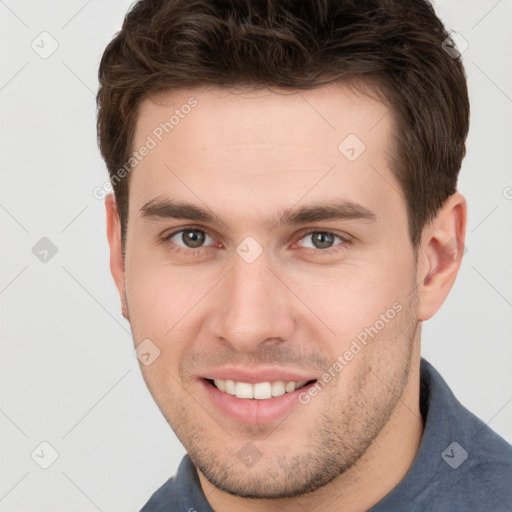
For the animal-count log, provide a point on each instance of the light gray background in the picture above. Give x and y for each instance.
(67, 371)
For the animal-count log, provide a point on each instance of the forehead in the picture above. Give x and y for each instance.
(264, 146)
(275, 117)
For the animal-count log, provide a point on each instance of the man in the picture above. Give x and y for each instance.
(285, 217)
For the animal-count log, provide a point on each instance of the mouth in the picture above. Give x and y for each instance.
(257, 403)
(259, 390)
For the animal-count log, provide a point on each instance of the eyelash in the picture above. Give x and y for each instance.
(199, 252)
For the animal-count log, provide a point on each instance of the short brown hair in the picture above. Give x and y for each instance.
(397, 46)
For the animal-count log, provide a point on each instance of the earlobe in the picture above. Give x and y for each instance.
(440, 255)
(116, 253)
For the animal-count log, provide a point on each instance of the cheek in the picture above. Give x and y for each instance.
(351, 300)
(157, 299)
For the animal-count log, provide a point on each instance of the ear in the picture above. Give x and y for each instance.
(440, 255)
(116, 252)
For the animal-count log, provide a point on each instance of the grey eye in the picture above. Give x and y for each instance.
(321, 239)
(190, 238)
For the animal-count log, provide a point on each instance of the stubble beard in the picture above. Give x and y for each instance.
(341, 436)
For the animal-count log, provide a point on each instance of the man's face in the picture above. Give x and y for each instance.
(250, 299)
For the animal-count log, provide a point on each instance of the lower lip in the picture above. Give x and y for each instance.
(253, 411)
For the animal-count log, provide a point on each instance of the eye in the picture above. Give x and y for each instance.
(188, 239)
(323, 241)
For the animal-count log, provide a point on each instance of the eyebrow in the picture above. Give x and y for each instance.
(159, 208)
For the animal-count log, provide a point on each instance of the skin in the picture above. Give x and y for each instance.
(247, 156)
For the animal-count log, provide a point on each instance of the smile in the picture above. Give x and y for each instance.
(255, 403)
(258, 390)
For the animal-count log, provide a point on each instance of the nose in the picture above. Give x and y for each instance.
(255, 306)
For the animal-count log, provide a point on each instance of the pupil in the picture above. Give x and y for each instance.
(193, 238)
(321, 238)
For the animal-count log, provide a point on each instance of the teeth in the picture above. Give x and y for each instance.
(290, 386)
(258, 391)
(244, 390)
(221, 384)
(278, 388)
(230, 387)
(262, 390)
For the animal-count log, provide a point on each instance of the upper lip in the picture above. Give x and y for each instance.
(254, 375)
